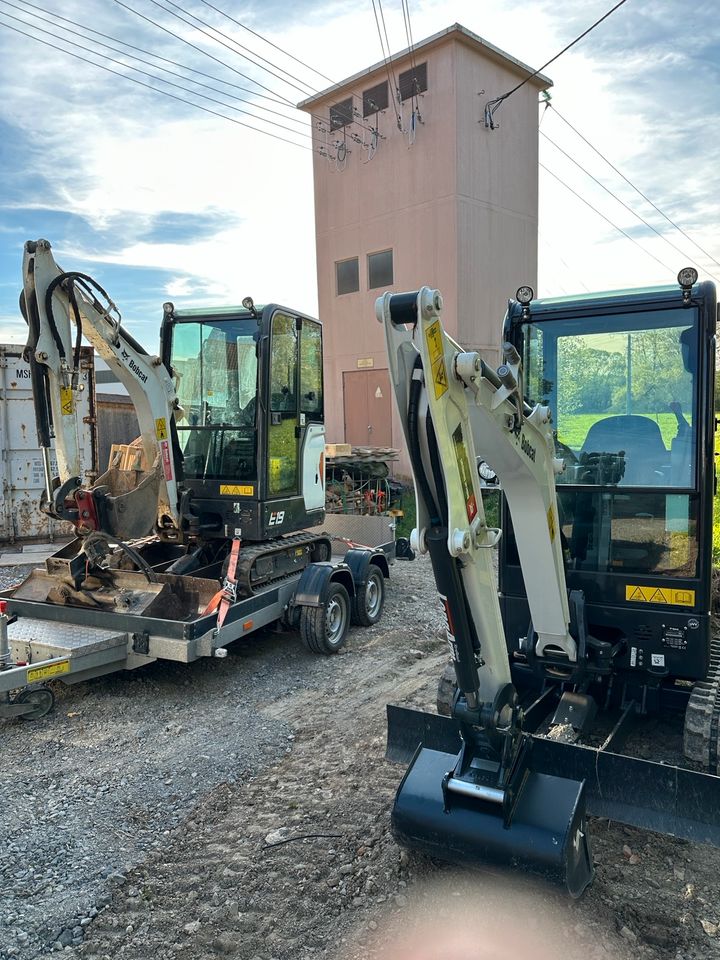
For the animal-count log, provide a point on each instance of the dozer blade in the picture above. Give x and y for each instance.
(547, 834)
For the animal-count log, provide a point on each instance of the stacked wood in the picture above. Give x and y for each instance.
(128, 456)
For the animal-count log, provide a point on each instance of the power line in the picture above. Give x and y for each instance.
(492, 105)
(222, 42)
(265, 40)
(164, 93)
(622, 202)
(635, 188)
(606, 219)
(157, 56)
(152, 76)
(204, 52)
(172, 73)
(386, 59)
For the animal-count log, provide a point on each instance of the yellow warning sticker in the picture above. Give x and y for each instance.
(667, 595)
(551, 523)
(67, 403)
(49, 670)
(161, 428)
(236, 490)
(433, 339)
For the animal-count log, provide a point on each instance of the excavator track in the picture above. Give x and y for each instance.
(265, 563)
(702, 716)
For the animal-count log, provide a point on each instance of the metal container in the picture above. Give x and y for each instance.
(21, 466)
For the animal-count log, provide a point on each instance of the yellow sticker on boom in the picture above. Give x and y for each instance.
(48, 671)
(236, 490)
(67, 402)
(551, 523)
(161, 428)
(433, 340)
(668, 595)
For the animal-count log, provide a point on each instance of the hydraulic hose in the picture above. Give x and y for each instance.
(414, 444)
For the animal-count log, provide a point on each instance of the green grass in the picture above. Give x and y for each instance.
(573, 428)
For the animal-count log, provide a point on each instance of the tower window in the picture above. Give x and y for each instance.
(413, 81)
(380, 269)
(375, 99)
(347, 276)
(341, 114)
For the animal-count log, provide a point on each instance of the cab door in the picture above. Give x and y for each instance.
(284, 408)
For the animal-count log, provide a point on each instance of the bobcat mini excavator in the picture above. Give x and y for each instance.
(216, 534)
(599, 428)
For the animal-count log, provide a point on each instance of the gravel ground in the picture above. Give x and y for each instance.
(240, 808)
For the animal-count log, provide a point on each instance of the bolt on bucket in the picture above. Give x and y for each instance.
(463, 822)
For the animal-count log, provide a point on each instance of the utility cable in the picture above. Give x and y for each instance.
(606, 219)
(492, 105)
(265, 40)
(635, 188)
(390, 76)
(157, 56)
(148, 86)
(622, 202)
(203, 52)
(247, 50)
(170, 83)
(172, 73)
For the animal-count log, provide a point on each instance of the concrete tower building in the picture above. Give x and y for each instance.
(412, 188)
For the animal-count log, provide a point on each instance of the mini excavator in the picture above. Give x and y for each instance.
(214, 532)
(598, 429)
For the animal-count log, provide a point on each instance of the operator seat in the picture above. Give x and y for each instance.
(645, 453)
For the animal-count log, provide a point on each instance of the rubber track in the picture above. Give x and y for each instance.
(250, 555)
(702, 715)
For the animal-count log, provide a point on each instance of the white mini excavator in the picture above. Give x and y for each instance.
(598, 429)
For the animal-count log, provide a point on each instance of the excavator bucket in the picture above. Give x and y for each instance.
(546, 834)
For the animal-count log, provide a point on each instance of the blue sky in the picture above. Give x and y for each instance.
(159, 200)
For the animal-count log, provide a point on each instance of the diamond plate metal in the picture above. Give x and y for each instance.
(47, 638)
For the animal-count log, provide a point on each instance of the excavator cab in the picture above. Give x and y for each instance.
(250, 438)
(629, 382)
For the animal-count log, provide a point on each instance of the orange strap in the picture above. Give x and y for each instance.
(228, 592)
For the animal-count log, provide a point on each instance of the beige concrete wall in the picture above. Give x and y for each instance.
(497, 198)
(458, 208)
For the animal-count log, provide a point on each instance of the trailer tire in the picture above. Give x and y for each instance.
(324, 629)
(42, 697)
(369, 600)
(447, 688)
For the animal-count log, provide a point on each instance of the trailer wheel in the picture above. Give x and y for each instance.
(42, 697)
(447, 688)
(324, 629)
(368, 603)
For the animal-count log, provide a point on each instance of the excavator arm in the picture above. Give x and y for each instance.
(487, 802)
(122, 504)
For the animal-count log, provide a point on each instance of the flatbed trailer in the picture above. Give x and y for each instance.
(42, 641)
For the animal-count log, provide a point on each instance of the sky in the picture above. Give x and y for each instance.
(159, 200)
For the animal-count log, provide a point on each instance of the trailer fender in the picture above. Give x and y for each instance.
(359, 561)
(315, 582)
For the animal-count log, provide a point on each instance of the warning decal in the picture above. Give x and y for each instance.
(433, 339)
(463, 463)
(161, 428)
(551, 523)
(667, 595)
(236, 490)
(66, 401)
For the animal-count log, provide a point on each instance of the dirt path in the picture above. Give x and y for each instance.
(294, 858)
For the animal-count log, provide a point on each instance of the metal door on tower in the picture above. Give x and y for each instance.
(368, 408)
